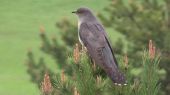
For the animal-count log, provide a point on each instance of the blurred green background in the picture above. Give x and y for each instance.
(19, 28)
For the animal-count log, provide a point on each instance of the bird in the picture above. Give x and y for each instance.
(92, 36)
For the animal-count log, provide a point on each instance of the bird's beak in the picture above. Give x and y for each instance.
(74, 12)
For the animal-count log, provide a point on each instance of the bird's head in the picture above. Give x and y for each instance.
(84, 13)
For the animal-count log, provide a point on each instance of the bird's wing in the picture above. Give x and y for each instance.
(101, 29)
(99, 48)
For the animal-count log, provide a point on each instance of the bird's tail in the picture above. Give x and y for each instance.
(118, 78)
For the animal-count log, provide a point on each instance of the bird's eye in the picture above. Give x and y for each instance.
(80, 11)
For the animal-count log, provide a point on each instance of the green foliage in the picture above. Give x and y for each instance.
(87, 84)
(35, 70)
(150, 77)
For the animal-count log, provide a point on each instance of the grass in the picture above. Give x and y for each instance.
(19, 28)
